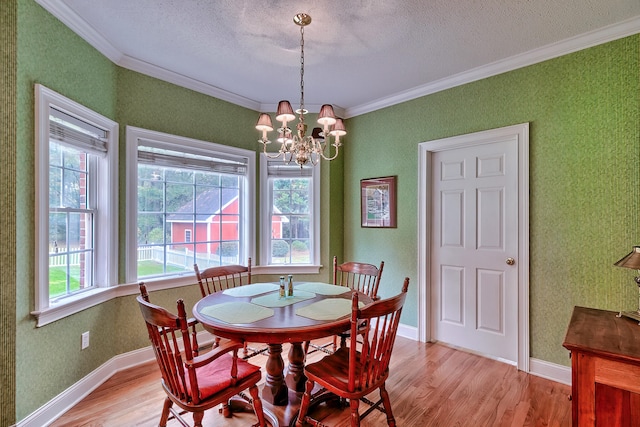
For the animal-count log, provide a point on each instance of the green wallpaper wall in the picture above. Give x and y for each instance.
(583, 109)
(584, 178)
(51, 54)
(49, 357)
(8, 101)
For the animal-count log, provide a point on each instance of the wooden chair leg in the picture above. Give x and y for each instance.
(226, 410)
(257, 405)
(197, 418)
(391, 421)
(165, 412)
(304, 404)
(355, 416)
(244, 350)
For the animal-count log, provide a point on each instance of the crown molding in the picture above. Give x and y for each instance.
(79, 26)
(554, 50)
(72, 20)
(593, 38)
(186, 82)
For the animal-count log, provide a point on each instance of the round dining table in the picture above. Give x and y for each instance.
(258, 313)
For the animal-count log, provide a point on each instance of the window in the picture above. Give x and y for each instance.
(289, 215)
(76, 205)
(189, 202)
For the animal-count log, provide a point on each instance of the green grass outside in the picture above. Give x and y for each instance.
(58, 276)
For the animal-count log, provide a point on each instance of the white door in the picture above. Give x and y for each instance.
(474, 247)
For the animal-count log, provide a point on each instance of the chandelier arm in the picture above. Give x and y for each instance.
(282, 150)
(333, 157)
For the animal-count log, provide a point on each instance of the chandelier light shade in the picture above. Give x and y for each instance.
(297, 146)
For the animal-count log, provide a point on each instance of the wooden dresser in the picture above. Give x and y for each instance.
(605, 368)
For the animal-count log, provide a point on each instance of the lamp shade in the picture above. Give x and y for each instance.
(338, 128)
(316, 133)
(326, 116)
(285, 112)
(264, 122)
(632, 260)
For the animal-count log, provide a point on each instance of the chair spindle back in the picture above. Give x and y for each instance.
(375, 342)
(214, 279)
(360, 276)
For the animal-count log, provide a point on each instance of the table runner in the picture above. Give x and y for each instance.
(250, 290)
(274, 300)
(237, 312)
(322, 288)
(328, 309)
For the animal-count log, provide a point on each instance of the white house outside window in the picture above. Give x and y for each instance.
(190, 203)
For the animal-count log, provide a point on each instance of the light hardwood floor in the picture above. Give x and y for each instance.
(429, 385)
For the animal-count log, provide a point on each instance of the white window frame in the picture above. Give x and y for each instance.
(266, 197)
(134, 136)
(106, 219)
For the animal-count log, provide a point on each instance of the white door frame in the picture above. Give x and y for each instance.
(425, 149)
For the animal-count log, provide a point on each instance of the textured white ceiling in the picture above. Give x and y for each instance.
(359, 55)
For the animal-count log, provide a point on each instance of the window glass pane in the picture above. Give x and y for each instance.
(178, 175)
(70, 253)
(179, 198)
(150, 191)
(207, 179)
(71, 196)
(279, 252)
(71, 246)
(300, 253)
(150, 228)
(291, 221)
(230, 181)
(180, 230)
(55, 187)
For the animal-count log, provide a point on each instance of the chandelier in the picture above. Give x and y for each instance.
(298, 146)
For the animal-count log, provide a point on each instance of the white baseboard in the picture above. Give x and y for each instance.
(550, 371)
(60, 404)
(409, 332)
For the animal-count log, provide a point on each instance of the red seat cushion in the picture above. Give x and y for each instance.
(216, 376)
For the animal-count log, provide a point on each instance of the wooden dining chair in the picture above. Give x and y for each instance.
(196, 382)
(360, 276)
(355, 371)
(215, 279)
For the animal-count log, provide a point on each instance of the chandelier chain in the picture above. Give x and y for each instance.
(302, 74)
(298, 146)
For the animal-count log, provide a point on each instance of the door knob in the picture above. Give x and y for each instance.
(510, 261)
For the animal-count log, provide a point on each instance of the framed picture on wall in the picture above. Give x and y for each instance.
(378, 202)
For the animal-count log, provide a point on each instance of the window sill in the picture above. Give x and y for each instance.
(76, 303)
(73, 304)
(286, 269)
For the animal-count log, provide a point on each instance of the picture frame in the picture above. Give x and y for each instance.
(378, 202)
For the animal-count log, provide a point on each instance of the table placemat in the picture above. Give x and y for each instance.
(237, 312)
(327, 309)
(274, 300)
(250, 290)
(323, 288)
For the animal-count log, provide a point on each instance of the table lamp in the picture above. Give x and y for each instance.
(632, 260)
